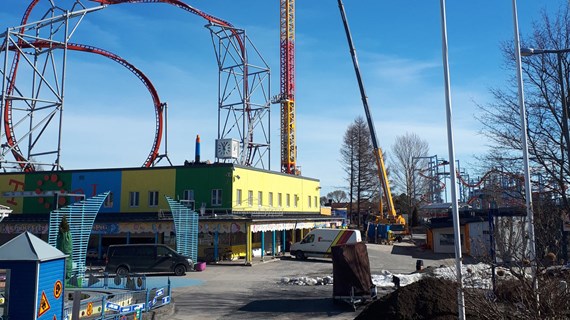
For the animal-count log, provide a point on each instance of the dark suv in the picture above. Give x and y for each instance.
(146, 258)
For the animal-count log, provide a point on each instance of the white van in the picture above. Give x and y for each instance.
(318, 242)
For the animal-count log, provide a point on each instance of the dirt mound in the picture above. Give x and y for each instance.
(429, 298)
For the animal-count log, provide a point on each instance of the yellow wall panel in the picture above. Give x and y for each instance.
(12, 183)
(143, 181)
(277, 183)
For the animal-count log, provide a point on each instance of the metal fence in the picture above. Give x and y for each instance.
(114, 297)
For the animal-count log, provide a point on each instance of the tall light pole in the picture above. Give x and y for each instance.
(524, 140)
(451, 151)
(565, 132)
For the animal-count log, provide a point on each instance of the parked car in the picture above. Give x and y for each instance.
(146, 258)
(318, 242)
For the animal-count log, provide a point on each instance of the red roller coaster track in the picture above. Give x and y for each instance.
(8, 123)
(158, 106)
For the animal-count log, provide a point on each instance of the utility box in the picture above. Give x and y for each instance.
(35, 277)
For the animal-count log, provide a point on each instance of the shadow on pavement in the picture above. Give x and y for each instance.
(309, 260)
(311, 305)
(419, 253)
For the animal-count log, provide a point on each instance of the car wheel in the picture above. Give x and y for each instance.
(179, 270)
(300, 255)
(122, 271)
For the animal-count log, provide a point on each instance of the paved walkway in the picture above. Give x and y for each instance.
(232, 290)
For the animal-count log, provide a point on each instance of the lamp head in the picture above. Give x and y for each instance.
(525, 52)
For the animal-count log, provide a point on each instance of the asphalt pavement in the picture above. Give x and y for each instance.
(233, 290)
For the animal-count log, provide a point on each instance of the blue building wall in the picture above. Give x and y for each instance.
(92, 183)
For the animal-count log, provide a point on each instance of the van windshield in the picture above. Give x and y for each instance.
(309, 239)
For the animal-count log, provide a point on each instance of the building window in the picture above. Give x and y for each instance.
(279, 200)
(153, 198)
(108, 201)
(316, 203)
(250, 198)
(188, 195)
(188, 199)
(288, 200)
(216, 197)
(260, 198)
(270, 199)
(309, 201)
(133, 199)
(238, 197)
(295, 200)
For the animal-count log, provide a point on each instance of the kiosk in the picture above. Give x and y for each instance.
(35, 274)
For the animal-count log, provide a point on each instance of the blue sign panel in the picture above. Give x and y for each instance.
(50, 290)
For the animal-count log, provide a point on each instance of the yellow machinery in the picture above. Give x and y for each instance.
(390, 217)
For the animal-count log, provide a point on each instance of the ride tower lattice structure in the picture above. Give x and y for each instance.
(31, 42)
(32, 106)
(243, 95)
(286, 98)
(243, 87)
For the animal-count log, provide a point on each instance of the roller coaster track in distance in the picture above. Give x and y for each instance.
(8, 123)
(469, 184)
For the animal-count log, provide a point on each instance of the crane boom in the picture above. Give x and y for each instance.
(287, 96)
(377, 150)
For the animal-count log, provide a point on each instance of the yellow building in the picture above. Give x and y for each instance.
(244, 211)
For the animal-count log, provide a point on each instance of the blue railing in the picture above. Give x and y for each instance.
(114, 297)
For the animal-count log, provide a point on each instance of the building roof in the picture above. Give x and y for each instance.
(27, 247)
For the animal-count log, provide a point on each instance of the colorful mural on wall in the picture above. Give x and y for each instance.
(213, 187)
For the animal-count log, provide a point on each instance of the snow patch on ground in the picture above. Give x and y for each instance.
(474, 276)
(308, 281)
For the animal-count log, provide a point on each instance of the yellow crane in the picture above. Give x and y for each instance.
(391, 217)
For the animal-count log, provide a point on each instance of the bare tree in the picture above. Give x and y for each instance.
(337, 196)
(409, 153)
(548, 147)
(357, 157)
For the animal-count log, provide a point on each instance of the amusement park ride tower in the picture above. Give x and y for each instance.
(287, 96)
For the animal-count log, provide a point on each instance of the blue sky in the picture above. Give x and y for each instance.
(109, 118)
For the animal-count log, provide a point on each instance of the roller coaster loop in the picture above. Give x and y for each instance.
(8, 126)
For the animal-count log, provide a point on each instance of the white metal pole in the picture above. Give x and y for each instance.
(524, 140)
(455, 210)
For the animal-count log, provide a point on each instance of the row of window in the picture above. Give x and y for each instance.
(187, 196)
(311, 201)
(134, 199)
(216, 199)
